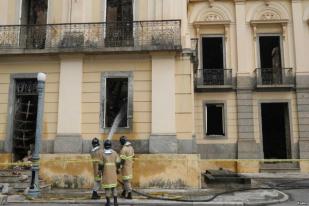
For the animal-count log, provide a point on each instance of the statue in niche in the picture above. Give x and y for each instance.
(276, 65)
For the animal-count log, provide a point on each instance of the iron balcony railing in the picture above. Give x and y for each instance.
(275, 77)
(214, 77)
(112, 36)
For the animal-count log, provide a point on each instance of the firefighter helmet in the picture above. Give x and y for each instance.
(95, 142)
(123, 140)
(107, 144)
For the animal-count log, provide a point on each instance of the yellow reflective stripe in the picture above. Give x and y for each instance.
(109, 164)
(127, 177)
(126, 157)
(97, 178)
(107, 186)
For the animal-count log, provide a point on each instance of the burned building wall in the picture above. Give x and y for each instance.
(10, 66)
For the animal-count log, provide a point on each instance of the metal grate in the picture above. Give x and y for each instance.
(137, 35)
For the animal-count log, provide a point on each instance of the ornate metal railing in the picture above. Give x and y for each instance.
(115, 36)
(214, 77)
(275, 77)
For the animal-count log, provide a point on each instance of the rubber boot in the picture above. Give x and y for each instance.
(129, 196)
(95, 195)
(108, 202)
(115, 201)
(123, 194)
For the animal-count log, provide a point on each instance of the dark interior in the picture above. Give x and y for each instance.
(275, 129)
(116, 98)
(214, 119)
(267, 46)
(25, 108)
(212, 52)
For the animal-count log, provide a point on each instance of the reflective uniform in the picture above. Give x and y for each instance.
(126, 155)
(96, 155)
(109, 179)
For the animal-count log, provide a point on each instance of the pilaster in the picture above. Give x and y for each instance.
(68, 138)
(163, 138)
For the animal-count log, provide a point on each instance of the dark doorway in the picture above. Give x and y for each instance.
(119, 23)
(213, 60)
(25, 110)
(276, 130)
(33, 14)
(116, 99)
(270, 59)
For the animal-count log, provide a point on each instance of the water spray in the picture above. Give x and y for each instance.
(117, 121)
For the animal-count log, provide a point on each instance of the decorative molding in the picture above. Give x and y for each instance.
(282, 22)
(200, 24)
(211, 2)
(266, 2)
(269, 15)
(212, 16)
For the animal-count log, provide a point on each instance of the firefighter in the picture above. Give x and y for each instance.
(111, 163)
(126, 156)
(96, 156)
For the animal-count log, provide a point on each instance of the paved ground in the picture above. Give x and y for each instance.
(287, 196)
(297, 197)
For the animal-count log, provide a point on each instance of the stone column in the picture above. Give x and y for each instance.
(68, 138)
(302, 78)
(247, 147)
(3, 12)
(163, 138)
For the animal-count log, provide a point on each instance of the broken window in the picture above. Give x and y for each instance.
(116, 100)
(214, 119)
(270, 59)
(34, 12)
(213, 60)
(119, 23)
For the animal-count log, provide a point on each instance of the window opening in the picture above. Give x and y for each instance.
(276, 130)
(116, 100)
(270, 59)
(119, 23)
(214, 116)
(34, 12)
(213, 60)
(25, 110)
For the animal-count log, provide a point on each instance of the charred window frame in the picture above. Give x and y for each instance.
(222, 130)
(107, 77)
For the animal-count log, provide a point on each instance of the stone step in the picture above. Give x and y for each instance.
(280, 170)
(14, 179)
(280, 165)
(10, 172)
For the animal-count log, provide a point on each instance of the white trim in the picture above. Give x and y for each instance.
(20, 10)
(48, 12)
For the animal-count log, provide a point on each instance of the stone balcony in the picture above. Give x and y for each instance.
(161, 35)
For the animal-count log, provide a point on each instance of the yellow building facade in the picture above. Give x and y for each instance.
(198, 80)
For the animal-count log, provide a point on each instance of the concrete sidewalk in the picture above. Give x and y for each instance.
(251, 197)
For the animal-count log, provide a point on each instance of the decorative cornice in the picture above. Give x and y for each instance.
(270, 21)
(282, 22)
(205, 23)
